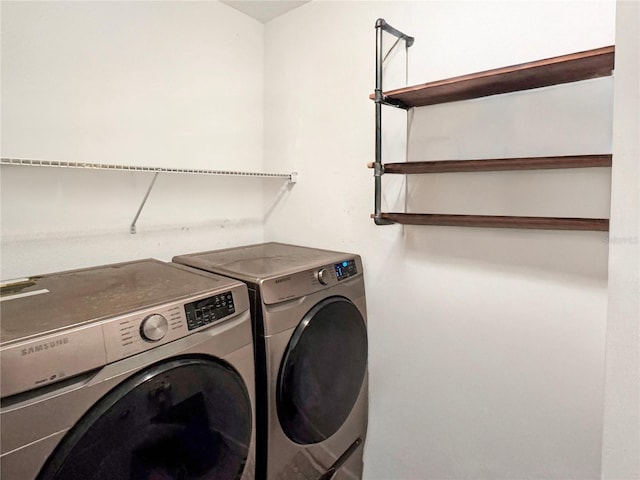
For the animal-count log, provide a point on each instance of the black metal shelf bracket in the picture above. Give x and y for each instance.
(383, 25)
(381, 99)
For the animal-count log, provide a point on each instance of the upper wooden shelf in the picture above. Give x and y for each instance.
(542, 73)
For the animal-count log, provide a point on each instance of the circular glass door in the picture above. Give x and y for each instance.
(187, 418)
(322, 371)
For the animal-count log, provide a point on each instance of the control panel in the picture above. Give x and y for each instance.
(209, 310)
(140, 331)
(345, 269)
(294, 285)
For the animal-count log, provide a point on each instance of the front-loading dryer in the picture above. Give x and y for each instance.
(134, 371)
(311, 356)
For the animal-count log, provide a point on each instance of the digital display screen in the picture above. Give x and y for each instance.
(209, 310)
(345, 269)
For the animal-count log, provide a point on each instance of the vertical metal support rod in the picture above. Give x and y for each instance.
(132, 228)
(378, 92)
(379, 98)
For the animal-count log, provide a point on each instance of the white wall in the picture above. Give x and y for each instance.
(136, 83)
(621, 438)
(486, 346)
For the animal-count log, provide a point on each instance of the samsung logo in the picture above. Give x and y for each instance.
(285, 279)
(41, 347)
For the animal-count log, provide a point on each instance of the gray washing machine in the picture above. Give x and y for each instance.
(310, 332)
(133, 371)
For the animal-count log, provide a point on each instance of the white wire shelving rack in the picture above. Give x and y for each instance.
(290, 177)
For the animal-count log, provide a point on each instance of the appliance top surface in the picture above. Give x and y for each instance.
(257, 262)
(51, 302)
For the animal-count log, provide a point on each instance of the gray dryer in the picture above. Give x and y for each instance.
(310, 334)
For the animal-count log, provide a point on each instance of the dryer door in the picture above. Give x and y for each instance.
(322, 371)
(186, 418)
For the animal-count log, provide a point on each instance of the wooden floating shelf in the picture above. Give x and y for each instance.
(542, 73)
(574, 67)
(500, 164)
(491, 221)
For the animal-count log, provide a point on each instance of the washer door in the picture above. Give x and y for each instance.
(322, 371)
(187, 418)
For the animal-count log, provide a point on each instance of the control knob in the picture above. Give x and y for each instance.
(154, 327)
(323, 276)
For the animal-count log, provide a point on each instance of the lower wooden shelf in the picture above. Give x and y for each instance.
(492, 221)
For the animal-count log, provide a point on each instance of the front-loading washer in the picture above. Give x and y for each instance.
(133, 371)
(310, 336)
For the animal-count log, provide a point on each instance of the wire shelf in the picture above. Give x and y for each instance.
(291, 177)
(105, 166)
